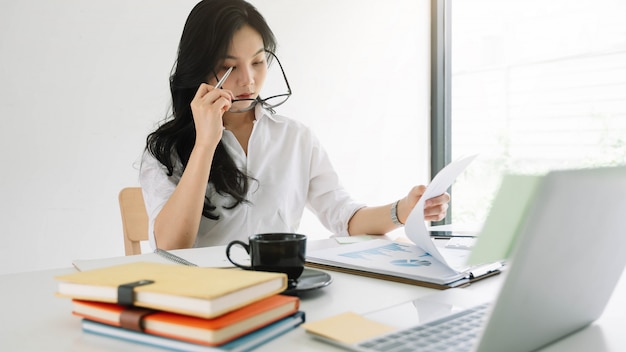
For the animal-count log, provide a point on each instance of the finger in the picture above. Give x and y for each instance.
(230, 93)
(435, 213)
(213, 95)
(209, 94)
(210, 101)
(435, 218)
(225, 104)
(441, 199)
(418, 190)
(415, 194)
(226, 95)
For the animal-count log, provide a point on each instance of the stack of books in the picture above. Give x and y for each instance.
(182, 307)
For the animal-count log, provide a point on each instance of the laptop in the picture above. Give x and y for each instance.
(566, 261)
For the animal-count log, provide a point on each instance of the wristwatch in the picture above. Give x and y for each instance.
(394, 214)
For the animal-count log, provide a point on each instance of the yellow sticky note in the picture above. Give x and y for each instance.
(347, 328)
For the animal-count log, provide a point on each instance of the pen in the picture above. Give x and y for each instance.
(221, 81)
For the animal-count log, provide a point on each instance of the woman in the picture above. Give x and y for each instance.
(225, 166)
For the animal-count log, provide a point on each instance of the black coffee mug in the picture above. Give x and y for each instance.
(275, 252)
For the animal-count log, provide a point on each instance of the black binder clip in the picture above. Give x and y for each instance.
(126, 293)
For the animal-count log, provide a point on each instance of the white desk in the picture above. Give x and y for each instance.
(33, 319)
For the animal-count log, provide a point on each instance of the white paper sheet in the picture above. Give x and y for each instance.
(415, 227)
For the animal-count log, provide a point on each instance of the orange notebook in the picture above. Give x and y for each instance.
(211, 332)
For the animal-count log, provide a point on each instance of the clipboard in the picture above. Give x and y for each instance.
(464, 282)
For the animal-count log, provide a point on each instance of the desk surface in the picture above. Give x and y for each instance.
(33, 319)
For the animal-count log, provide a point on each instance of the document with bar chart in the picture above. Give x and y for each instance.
(419, 262)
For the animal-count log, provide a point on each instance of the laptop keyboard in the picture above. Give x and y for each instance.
(457, 332)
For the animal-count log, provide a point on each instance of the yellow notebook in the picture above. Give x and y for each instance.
(196, 291)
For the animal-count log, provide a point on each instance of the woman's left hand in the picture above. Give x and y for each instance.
(434, 208)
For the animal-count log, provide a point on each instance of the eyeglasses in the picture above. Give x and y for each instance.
(275, 82)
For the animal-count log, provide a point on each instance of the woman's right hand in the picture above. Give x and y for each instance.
(208, 106)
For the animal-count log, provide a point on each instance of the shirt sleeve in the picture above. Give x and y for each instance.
(157, 187)
(327, 198)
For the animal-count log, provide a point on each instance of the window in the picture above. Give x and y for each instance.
(360, 73)
(535, 86)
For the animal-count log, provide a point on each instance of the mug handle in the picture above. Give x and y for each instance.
(245, 246)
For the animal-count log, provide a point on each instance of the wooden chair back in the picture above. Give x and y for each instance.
(134, 219)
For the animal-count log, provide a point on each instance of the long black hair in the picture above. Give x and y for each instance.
(206, 37)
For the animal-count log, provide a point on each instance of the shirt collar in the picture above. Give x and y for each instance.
(261, 112)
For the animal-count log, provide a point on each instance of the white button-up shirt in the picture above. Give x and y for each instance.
(290, 169)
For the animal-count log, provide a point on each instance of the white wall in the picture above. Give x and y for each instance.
(83, 82)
